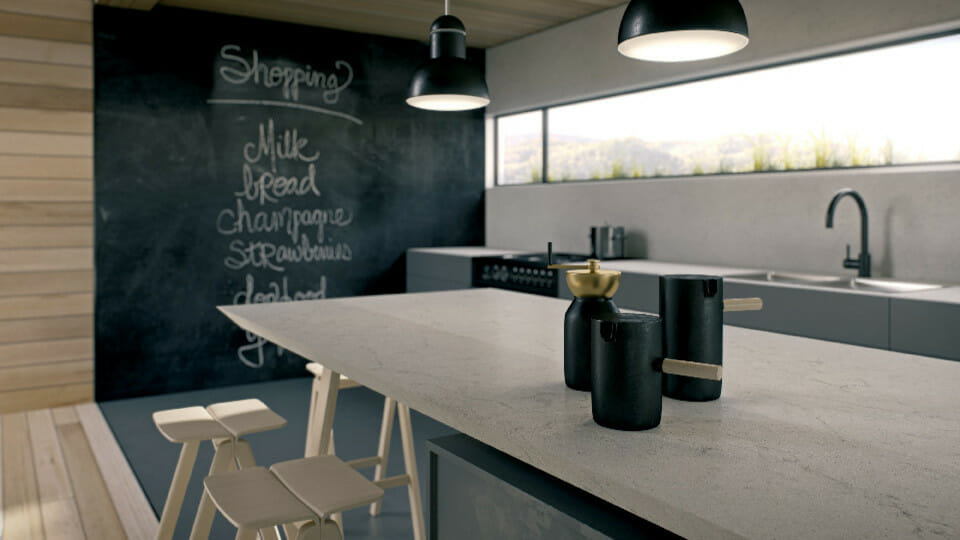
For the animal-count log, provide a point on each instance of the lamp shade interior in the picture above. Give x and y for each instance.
(683, 45)
(447, 102)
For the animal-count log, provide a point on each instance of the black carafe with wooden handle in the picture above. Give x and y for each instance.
(593, 289)
(691, 307)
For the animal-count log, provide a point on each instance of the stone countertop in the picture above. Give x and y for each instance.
(949, 294)
(643, 266)
(946, 295)
(811, 439)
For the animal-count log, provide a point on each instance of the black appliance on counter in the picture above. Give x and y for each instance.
(526, 272)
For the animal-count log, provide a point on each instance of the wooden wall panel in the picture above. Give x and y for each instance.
(45, 237)
(80, 10)
(46, 396)
(32, 376)
(34, 73)
(47, 352)
(40, 120)
(46, 329)
(46, 203)
(78, 168)
(45, 305)
(46, 144)
(46, 190)
(45, 213)
(32, 26)
(45, 260)
(45, 97)
(46, 51)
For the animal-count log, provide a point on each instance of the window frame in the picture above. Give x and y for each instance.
(759, 66)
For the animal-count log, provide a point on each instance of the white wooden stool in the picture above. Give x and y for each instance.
(299, 494)
(323, 409)
(313, 434)
(189, 427)
(238, 418)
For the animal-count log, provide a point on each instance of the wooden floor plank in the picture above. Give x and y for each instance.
(21, 508)
(97, 513)
(61, 519)
(65, 415)
(136, 514)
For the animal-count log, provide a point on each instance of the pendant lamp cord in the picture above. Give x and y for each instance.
(446, 7)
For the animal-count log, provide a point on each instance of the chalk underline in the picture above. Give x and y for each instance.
(287, 104)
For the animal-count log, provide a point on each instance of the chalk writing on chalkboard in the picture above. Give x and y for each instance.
(275, 221)
(239, 69)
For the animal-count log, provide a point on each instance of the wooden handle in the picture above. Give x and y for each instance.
(697, 370)
(743, 304)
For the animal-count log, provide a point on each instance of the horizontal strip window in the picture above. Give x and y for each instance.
(892, 105)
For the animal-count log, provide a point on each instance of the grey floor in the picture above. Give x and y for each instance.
(357, 426)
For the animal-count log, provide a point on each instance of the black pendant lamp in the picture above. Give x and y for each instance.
(682, 30)
(447, 82)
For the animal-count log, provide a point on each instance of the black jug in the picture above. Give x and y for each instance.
(691, 307)
(626, 371)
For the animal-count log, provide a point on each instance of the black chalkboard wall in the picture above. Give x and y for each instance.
(240, 160)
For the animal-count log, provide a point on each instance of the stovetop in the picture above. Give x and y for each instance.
(541, 258)
(525, 272)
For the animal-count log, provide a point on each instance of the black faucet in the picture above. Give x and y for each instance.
(861, 263)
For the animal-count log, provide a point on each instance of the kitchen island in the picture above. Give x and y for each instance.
(811, 439)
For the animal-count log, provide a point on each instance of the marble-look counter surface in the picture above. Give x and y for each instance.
(811, 439)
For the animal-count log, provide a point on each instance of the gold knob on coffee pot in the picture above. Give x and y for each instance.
(587, 280)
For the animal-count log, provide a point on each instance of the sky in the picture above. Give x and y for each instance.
(909, 93)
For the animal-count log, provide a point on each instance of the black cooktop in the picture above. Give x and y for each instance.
(525, 272)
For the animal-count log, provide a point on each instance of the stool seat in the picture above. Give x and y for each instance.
(188, 424)
(254, 499)
(326, 484)
(316, 368)
(245, 416)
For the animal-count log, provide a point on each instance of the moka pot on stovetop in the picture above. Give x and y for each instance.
(593, 290)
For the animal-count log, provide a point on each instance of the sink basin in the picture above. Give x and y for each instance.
(836, 282)
(883, 285)
(797, 279)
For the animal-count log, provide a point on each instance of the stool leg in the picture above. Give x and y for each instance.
(326, 407)
(332, 451)
(310, 447)
(178, 487)
(246, 534)
(410, 464)
(383, 449)
(221, 463)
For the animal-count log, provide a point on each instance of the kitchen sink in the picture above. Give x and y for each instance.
(883, 285)
(837, 282)
(796, 279)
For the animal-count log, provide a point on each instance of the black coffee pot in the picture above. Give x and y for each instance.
(628, 367)
(593, 290)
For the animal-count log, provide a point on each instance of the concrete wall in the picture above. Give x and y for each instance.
(773, 220)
